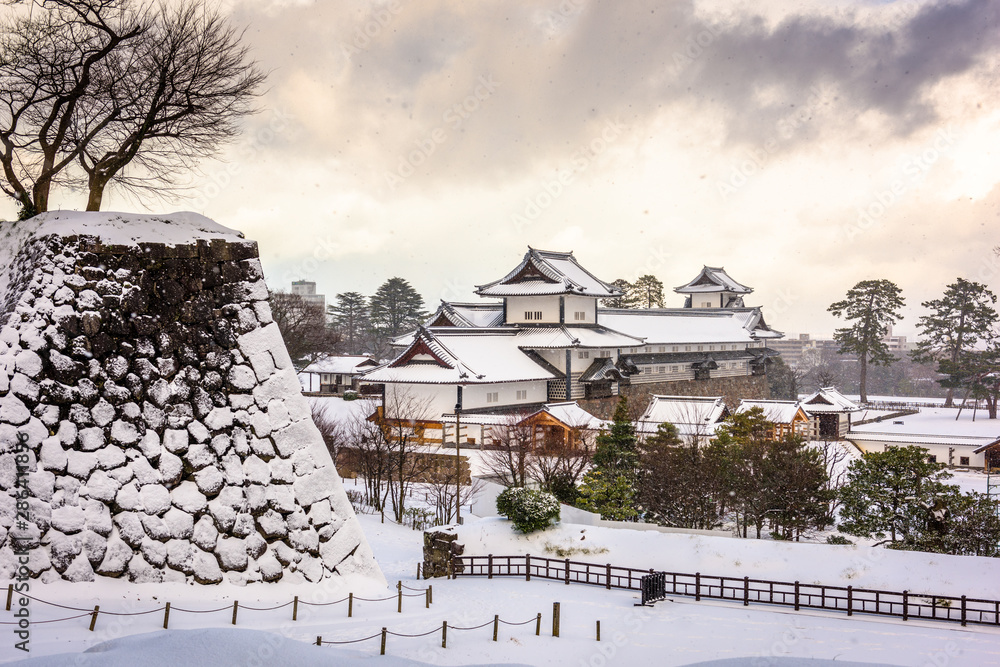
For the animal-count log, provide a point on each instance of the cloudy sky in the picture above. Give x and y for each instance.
(803, 144)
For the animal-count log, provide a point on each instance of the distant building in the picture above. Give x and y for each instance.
(307, 290)
(335, 375)
(805, 351)
(786, 417)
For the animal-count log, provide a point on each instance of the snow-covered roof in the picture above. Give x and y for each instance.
(778, 412)
(467, 315)
(828, 400)
(692, 415)
(676, 325)
(571, 414)
(345, 365)
(713, 279)
(922, 439)
(560, 336)
(455, 357)
(753, 321)
(544, 272)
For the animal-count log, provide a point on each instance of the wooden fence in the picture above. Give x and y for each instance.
(905, 605)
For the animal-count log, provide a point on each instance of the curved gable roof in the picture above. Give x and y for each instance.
(546, 272)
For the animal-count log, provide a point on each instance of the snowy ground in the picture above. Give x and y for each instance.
(676, 632)
(938, 421)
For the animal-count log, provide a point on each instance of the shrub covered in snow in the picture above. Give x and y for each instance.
(528, 509)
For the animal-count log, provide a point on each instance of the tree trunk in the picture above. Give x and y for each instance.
(949, 398)
(864, 378)
(96, 194)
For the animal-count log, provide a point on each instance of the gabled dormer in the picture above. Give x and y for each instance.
(713, 288)
(549, 288)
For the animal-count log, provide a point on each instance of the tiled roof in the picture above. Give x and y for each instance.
(544, 272)
(713, 279)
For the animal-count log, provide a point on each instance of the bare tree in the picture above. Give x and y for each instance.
(507, 455)
(368, 452)
(404, 417)
(439, 492)
(89, 87)
(336, 433)
(307, 334)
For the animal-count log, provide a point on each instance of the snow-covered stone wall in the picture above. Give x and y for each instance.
(164, 434)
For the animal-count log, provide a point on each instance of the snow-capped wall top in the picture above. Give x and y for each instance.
(114, 228)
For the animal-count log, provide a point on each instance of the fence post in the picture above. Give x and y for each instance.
(430, 593)
(166, 616)
(609, 577)
(295, 608)
(598, 631)
(236, 608)
(567, 571)
(489, 566)
(850, 598)
(97, 610)
(382, 651)
(496, 625)
(350, 604)
(963, 611)
(906, 605)
(527, 567)
(697, 586)
(418, 571)
(555, 619)
(796, 596)
(10, 595)
(538, 624)
(444, 634)
(427, 599)
(319, 640)
(399, 597)
(746, 591)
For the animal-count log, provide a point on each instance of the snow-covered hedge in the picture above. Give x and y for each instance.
(529, 510)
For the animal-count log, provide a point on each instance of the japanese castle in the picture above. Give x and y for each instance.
(545, 338)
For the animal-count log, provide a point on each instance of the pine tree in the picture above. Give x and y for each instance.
(647, 292)
(959, 321)
(886, 492)
(678, 484)
(625, 300)
(872, 305)
(609, 487)
(394, 309)
(350, 317)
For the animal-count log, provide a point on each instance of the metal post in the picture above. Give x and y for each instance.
(567, 571)
(555, 619)
(319, 640)
(906, 605)
(963, 611)
(538, 624)
(608, 586)
(430, 594)
(796, 596)
(427, 599)
(489, 566)
(10, 595)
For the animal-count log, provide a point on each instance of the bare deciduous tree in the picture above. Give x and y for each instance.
(308, 336)
(91, 87)
(507, 455)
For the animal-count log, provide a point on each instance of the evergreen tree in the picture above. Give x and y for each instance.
(886, 491)
(625, 300)
(394, 309)
(872, 305)
(647, 292)
(609, 487)
(678, 483)
(959, 321)
(350, 317)
(783, 380)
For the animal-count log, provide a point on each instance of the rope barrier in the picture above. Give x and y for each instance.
(322, 604)
(422, 634)
(203, 611)
(355, 641)
(475, 627)
(54, 620)
(280, 606)
(530, 620)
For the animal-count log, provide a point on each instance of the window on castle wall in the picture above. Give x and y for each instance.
(963, 460)
(580, 316)
(522, 394)
(492, 397)
(583, 354)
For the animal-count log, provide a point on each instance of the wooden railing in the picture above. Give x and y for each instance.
(904, 604)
